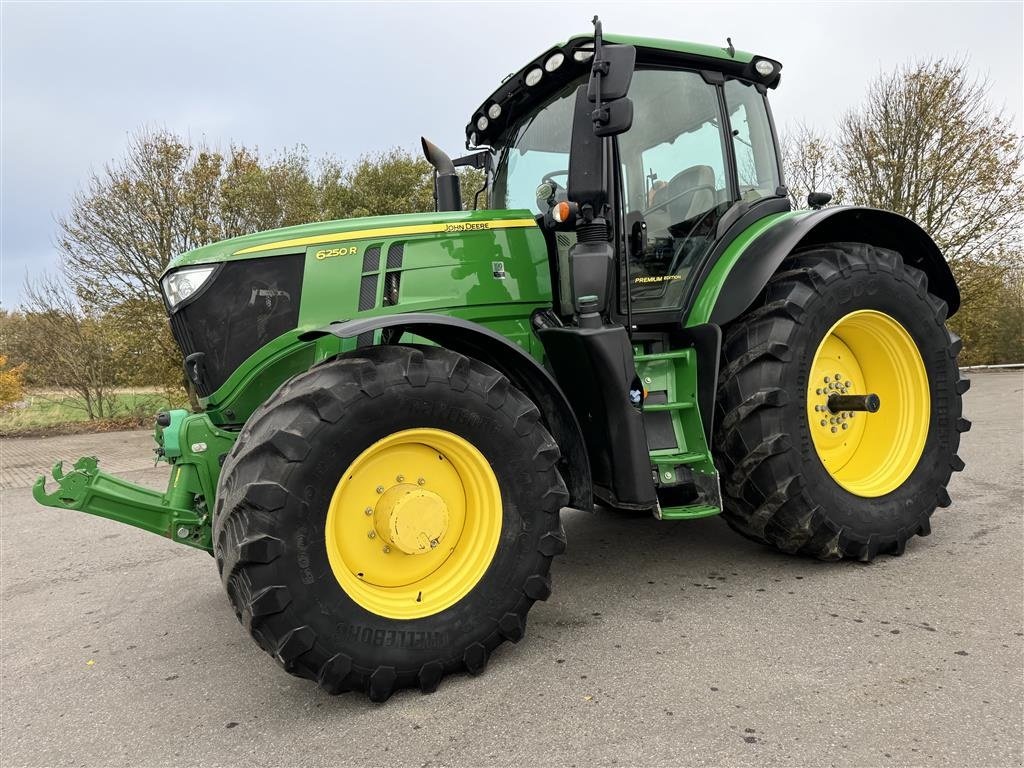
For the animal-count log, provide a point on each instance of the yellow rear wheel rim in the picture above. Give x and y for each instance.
(869, 454)
(414, 523)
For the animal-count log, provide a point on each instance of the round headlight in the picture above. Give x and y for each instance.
(583, 54)
(482, 122)
(554, 62)
(472, 138)
(494, 111)
(533, 76)
(764, 67)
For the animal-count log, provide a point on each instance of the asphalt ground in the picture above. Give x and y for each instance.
(663, 644)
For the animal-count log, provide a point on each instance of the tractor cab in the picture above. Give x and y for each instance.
(641, 160)
(700, 151)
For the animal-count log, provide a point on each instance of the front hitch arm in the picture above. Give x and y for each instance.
(87, 489)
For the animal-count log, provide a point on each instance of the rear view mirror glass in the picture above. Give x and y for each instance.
(620, 118)
(618, 62)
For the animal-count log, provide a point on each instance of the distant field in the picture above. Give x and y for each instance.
(45, 410)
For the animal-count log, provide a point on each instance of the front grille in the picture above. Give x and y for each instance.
(248, 304)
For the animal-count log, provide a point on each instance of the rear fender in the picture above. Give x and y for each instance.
(755, 264)
(483, 344)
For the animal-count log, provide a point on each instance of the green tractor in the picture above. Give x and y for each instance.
(396, 409)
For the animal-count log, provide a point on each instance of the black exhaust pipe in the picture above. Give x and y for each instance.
(446, 180)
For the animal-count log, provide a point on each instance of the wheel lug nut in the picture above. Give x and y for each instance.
(849, 384)
(421, 481)
(380, 489)
(833, 429)
(368, 511)
(387, 549)
(823, 422)
(373, 534)
(826, 379)
(845, 425)
(838, 377)
(400, 479)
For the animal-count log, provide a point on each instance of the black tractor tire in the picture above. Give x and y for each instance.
(277, 484)
(776, 489)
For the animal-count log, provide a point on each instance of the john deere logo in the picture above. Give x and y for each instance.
(330, 253)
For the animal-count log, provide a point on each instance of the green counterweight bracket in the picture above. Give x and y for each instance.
(87, 489)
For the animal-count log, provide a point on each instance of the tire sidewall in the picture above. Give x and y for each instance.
(907, 303)
(341, 623)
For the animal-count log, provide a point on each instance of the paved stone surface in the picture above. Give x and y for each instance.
(663, 644)
(23, 459)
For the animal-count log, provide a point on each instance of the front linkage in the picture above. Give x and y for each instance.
(194, 448)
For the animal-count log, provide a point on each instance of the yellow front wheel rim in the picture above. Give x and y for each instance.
(869, 454)
(414, 523)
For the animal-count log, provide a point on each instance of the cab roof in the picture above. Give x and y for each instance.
(522, 90)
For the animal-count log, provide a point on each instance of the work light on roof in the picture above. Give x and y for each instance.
(494, 111)
(533, 76)
(482, 122)
(554, 61)
(764, 67)
(583, 54)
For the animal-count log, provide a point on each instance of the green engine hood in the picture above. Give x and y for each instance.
(295, 239)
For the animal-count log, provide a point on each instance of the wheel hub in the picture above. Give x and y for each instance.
(411, 518)
(868, 403)
(414, 523)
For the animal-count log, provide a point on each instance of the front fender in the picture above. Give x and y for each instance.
(734, 283)
(474, 340)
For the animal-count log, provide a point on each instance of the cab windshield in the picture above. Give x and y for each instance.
(677, 172)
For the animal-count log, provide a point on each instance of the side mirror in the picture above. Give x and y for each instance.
(585, 184)
(610, 78)
(818, 200)
(616, 118)
(612, 73)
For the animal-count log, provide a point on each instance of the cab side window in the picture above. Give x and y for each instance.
(756, 164)
(675, 180)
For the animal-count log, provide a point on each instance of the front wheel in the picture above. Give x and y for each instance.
(389, 517)
(839, 406)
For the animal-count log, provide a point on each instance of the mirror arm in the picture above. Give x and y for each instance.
(479, 160)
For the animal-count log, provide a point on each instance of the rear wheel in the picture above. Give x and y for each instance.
(839, 406)
(389, 517)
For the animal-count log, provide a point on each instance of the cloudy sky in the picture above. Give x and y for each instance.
(348, 78)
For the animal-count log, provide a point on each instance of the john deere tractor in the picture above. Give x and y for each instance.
(396, 409)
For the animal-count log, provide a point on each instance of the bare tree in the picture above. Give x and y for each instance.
(926, 143)
(68, 346)
(811, 165)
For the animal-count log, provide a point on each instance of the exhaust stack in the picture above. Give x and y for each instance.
(446, 180)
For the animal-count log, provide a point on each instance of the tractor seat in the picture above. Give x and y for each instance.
(694, 193)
